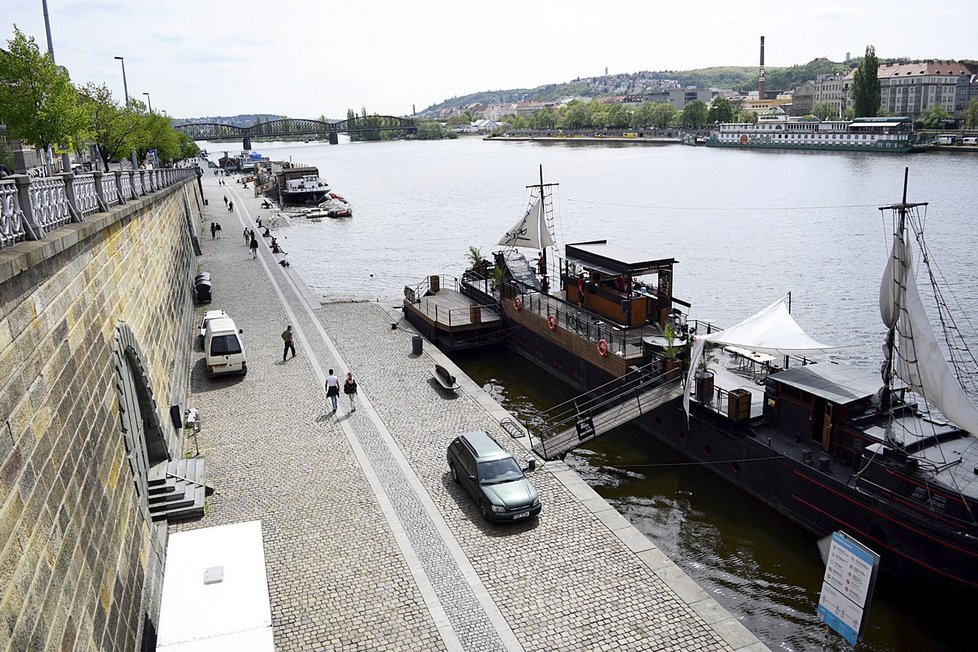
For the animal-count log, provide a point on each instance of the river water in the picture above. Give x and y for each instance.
(746, 227)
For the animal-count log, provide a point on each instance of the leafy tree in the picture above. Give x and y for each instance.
(111, 127)
(643, 116)
(721, 110)
(849, 114)
(574, 116)
(618, 117)
(37, 101)
(824, 110)
(747, 115)
(188, 148)
(664, 114)
(971, 114)
(431, 130)
(545, 119)
(866, 91)
(933, 117)
(694, 115)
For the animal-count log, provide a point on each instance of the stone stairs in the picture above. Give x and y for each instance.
(177, 490)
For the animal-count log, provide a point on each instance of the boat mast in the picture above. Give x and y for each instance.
(902, 209)
(543, 206)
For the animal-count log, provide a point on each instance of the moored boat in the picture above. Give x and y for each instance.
(889, 460)
(774, 129)
(300, 184)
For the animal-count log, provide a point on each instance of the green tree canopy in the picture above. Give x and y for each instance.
(664, 114)
(971, 114)
(694, 115)
(933, 117)
(545, 119)
(824, 111)
(111, 127)
(721, 110)
(866, 92)
(618, 117)
(37, 101)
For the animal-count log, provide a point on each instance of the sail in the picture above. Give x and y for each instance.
(531, 231)
(919, 360)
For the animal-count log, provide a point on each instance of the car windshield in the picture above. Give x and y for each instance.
(504, 470)
(225, 345)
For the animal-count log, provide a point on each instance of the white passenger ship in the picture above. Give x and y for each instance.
(776, 130)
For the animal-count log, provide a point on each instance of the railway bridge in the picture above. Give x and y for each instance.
(369, 125)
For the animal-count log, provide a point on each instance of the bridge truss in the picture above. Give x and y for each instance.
(296, 127)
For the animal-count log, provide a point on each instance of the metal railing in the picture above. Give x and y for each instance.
(582, 322)
(449, 316)
(31, 207)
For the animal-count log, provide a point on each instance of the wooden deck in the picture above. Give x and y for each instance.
(449, 310)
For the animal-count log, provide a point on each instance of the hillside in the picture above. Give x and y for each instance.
(244, 120)
(739, 78)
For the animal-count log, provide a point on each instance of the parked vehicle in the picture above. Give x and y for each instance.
(492, 477)
(208, 317)
(223, 351)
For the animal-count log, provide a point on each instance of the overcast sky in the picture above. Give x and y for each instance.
(304, 58)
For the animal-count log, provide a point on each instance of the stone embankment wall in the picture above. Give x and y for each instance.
(96, 327)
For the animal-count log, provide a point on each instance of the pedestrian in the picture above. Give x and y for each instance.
(254, 247)
(217, 227)
(350, 389)
(289, 345)
(230, 207)
(247, 237)
(225, 200)
(332, 389)
(258, 221)
(213, 230)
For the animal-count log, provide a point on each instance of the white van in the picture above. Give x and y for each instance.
(223, 351)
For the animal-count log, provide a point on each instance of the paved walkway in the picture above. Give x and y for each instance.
(369, 544)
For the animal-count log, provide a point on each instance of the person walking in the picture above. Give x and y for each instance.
(254, 246)
(247, 237)
(225, 200)
(350, 389)
(213, 230)
(230, 207)
(289, 345)
(332, 389)
(217, 228)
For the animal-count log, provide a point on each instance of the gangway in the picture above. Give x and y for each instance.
(603, 409)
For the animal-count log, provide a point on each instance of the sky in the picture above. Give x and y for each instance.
(306, 58)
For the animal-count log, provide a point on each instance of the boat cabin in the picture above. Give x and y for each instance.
(623, 285)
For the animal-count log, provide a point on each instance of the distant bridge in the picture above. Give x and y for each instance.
(291, 127)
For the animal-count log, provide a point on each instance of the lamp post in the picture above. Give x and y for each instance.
(125, 87)
(149, 101)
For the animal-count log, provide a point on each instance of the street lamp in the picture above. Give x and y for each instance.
(149, 101)
(125, 87)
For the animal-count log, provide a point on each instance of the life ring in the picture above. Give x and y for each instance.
(602, 347)
(743, 140)
(518, 303)
(552, 322)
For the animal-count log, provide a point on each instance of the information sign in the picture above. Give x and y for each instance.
(850, 575)
(585, 426)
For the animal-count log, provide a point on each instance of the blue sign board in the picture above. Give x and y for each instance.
(850, 574)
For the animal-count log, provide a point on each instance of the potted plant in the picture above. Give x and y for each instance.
(674, 366)
(704, 376)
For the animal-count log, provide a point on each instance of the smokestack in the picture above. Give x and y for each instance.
(760, 77)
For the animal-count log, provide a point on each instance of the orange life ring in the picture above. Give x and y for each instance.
(518, 303)
(552, 322)
(602, 347)
(743, 140)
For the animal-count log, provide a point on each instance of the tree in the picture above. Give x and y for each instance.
(866, 92)
(663, 115)
(694, 115)
(618, 117)
(721, 110)
(747, 115)
(642, 116)
(574, 116)
(545, 119)
(111, 127)
(37, 101)
(971, 114)
(824, 110)
(933, 117)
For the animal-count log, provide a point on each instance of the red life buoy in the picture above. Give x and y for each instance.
(552, 322)
(518, 303)
(602, 347)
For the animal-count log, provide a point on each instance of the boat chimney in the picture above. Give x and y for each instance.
(760, 76)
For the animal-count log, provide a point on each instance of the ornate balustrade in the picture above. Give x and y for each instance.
(31, 207)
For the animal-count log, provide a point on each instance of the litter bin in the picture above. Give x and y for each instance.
(416, 344)
(202, 290)
(205, 201)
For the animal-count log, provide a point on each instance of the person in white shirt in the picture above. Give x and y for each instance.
(332, 389)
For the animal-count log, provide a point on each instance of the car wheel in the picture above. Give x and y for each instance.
(486, 511)
(454, 473)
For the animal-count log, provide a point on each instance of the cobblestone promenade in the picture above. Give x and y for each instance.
(369, 544)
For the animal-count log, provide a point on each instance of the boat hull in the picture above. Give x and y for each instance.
(304, 198)
(876, 148)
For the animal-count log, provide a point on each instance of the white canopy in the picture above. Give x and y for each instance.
(531, 231)
(772, 330)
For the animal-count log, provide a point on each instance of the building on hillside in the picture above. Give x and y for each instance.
(497, 110)
(803, 99)
(528, 108)
(834, 89)
(910, 88)
(485, 126)
(680, 97)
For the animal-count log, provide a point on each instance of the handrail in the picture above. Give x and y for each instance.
(30, 207)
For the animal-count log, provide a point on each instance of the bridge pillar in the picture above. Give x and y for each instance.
(334, 139)
(246, 142)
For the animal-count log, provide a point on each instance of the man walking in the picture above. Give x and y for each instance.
(289, 345)
(254, 246)
(332, 389)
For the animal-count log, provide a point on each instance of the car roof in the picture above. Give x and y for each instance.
(212, 314)
(221, 324)
(483, 445)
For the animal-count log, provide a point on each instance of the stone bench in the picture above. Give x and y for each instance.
(444, 378)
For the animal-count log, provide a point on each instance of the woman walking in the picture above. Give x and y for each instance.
(350, 389)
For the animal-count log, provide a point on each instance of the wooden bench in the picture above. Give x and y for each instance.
(444, 378)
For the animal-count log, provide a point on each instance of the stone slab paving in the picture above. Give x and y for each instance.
(369, 544)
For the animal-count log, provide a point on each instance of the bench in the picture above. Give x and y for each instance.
(444, 378)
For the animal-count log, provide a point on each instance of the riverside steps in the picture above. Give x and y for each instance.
(369, 545)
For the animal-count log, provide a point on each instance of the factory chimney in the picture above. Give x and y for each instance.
(760, 77)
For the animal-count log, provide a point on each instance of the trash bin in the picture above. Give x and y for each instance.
(205, 201)
(202, 290)
(416, 344)
(203, 276)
